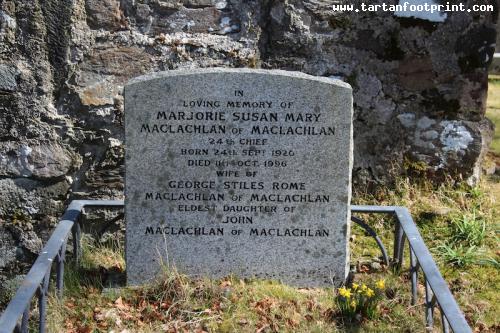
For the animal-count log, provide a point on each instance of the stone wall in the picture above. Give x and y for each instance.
(419, 89)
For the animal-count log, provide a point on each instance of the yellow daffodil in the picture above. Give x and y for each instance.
(369, 292)
(380, 284)
(345, 292)
(364, 287)
(353, 304)
(355, 286)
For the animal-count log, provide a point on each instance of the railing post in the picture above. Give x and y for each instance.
(414, 276)
(398, 245)
(60, 270)
(444, 321)
(77, 250)
(429, 305)
(25, 319)
(42, 301)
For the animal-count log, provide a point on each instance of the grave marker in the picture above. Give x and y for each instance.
(238, 171)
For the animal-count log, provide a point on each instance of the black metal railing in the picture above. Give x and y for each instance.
(437, 292)
(36, 283)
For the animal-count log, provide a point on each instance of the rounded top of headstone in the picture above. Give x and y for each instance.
(219, 70)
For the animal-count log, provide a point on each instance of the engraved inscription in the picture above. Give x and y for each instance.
(226, 169)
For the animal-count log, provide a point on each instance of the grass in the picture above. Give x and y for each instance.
(458, 256)
(459, 224)
(468, 229)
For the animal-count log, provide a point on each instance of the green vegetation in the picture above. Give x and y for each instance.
(458, 256)
(468, 229)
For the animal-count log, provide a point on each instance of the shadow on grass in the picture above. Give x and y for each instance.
(78, 278)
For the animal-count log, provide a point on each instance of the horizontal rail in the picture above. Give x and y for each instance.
(36, 277)
(434, 280)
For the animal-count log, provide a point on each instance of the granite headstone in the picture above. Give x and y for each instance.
(238, 171)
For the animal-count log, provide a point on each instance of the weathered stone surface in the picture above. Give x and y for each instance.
(104, 14)
(8, 78)
(9, 288)
(416, 73)
(396, 65)
(453, 140)
(7, 248)
(118, 61)
(207, 20)
(34, 200)
(7, 30)
(28, 211)
(109, 171)
(99, 94)
(288, 201)
(35, 160)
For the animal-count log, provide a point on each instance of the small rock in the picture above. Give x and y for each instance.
(38, 160)
(197, 20)
(221, 4)
(111, 291)
(20, 253)
(143, 11)
(489, 167)
(8, 75)
(6, 22)
(441, 211)
(227, 292)
(99, 94)
(104, 14)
